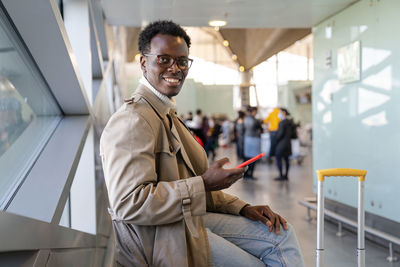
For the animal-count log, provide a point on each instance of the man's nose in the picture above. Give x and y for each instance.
(174, 67)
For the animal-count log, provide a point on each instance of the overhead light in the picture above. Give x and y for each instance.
(234, 57)
(241, 69)
(225, 43)
(217, 23)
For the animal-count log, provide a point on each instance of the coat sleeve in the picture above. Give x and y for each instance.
(225, 203)
(127, 148)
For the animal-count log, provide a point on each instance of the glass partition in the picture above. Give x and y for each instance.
(28, 111)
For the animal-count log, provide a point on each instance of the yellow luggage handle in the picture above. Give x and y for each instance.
(341, 172)
(361, 216)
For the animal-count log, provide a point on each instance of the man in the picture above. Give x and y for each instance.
(252, 131)
(189, 119)
(161, 191)
(283, 144)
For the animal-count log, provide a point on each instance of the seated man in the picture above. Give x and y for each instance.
(165, 201)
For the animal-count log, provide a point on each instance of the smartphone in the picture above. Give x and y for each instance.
(247, 162)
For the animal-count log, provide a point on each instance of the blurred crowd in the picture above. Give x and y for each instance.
(277, 135)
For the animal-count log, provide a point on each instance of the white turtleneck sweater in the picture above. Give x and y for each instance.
(170, 102)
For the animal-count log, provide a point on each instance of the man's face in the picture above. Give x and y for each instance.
(166, 80)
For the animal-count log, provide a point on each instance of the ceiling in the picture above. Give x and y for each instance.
(237, 13)
(253, 46)
(256, 29)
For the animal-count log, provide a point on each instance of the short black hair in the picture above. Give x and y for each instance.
(251, 109)
(285, 111)
(161, 26)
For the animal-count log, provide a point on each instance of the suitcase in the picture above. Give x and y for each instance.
(321, 174)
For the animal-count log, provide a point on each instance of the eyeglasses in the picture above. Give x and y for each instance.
(167, 61)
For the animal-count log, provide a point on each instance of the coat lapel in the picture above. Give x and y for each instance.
(162, 110)
(182, 150)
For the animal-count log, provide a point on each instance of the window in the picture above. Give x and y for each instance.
(28, 111)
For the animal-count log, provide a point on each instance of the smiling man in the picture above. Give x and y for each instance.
(165, 201)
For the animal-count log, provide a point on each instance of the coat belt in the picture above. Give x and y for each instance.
(187, 214)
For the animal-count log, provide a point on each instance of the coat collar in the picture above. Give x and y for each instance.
(159, 106)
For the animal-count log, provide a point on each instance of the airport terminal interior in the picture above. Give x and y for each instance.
(67, 65)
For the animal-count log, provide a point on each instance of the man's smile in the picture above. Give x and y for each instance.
(172, 80)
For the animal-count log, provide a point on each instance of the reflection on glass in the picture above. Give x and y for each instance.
(327, 117)
(381, 79)
(15, 114)
(372, 57)
(363, 28)
(368, 99)
(376, 119)
(28, 112)
(329, 88)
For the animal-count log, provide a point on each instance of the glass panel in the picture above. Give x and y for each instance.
(28, 111)
(356, 125)
(83, 190)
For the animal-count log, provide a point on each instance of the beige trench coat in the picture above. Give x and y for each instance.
(152, 166)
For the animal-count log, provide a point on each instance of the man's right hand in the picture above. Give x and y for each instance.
(217, 178)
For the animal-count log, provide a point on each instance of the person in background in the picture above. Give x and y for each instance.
(165, 199)
(189, 119)
(197, 125)
(283, 148)
(226, 132)
(198, 119)
(252, 140)
(238, 131)
(272, 121)
(205, 127)
(213, 135)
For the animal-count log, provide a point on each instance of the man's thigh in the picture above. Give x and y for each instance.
(251, 236)
(225, 253)
(239, 227)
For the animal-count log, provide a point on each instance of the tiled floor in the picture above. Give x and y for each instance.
(283, 197)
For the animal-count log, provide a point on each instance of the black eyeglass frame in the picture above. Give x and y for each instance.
(190, 61)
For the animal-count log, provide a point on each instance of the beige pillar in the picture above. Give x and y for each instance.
(245, 87)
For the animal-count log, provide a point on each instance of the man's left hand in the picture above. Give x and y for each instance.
(265, 215)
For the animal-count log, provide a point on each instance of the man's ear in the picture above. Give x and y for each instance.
(143, 64)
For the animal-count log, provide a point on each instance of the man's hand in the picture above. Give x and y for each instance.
(217, 178)
(265, 215)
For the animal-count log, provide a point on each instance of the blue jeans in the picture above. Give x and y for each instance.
(238, 241)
